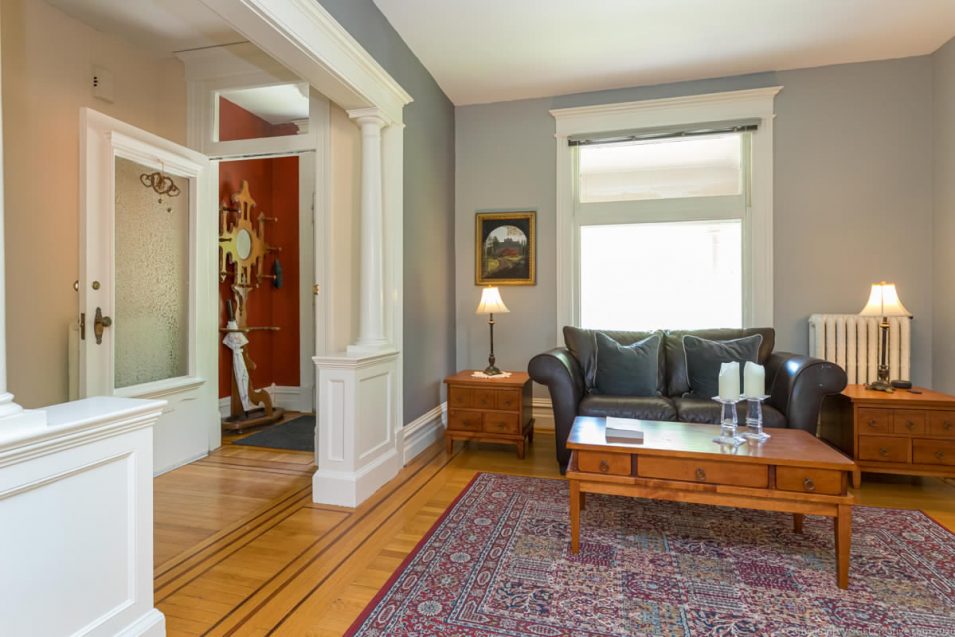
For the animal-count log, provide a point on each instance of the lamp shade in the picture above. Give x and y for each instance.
(884, 301)
(491, 302)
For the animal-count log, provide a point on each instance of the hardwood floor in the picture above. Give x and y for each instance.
(242, 550)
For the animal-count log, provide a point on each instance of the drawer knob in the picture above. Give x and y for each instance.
(947, 425)
(939, 454)
(808, 484)
(604, 467)
(883, 452)
(909, 424)
(873, 423)
(700, 474)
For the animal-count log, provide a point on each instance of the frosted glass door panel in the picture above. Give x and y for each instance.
(151, 312)
(684, 275)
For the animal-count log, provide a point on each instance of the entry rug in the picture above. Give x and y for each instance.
(297, 434)
(499, 563)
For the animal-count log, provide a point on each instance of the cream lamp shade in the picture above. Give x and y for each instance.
(491, 302)
(884, 301)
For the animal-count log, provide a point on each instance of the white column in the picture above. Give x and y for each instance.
(371, 336)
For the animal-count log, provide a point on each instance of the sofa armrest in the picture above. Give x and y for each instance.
(799, 383)
(561, 373)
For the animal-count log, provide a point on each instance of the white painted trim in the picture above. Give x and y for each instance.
(424, 431)
(287, 397)
(543, 412)
(757, 220)
(152, 624)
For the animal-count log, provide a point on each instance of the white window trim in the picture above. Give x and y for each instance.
(757, 220)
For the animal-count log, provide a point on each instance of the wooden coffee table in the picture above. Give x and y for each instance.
(792, 472)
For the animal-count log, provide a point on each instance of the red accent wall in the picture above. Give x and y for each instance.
(274, 185)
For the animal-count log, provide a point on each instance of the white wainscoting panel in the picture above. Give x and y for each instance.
(76, 532)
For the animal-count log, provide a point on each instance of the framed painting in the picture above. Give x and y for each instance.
(505, 251)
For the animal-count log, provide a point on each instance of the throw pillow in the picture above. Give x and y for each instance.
(704, 357)
(626, 370)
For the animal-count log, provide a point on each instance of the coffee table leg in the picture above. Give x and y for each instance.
(842, 526)
(797, 522)
(574, 516)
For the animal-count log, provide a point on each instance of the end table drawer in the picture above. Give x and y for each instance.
(508, 399)
(617, 464)
(941, 423)
(884, 448)
(460, 397)
(875, 421)
(933, 452)
(484, 398)
(810, 480)
(502, 423)
(465, 420)
(706, 471)
(908, 422)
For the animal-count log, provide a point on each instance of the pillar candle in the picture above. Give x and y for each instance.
(754, 379)
(729, 381)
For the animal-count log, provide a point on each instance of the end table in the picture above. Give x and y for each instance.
(495, 409)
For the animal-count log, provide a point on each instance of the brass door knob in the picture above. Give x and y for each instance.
(700, 474)
(808, 484)
(604, 467)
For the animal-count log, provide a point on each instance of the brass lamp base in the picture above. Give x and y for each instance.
(491, 370)
(880, 385)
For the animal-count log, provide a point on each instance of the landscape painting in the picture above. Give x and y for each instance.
(505, 248)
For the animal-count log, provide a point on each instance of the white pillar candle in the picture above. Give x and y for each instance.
(754, 379)
(729, 381)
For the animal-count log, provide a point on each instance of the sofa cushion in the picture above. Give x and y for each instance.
(627, 370)
(580, 342)
(708, 411)
(676, 380)
(644, 408)
(704, 359)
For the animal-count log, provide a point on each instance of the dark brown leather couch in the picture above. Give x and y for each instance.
(796, 384)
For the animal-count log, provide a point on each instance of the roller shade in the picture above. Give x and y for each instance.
(664, 132)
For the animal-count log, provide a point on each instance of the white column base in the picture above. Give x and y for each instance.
(358, 446)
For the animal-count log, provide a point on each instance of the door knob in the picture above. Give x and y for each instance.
(100, 323)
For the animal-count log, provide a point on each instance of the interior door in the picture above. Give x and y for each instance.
(147, 281)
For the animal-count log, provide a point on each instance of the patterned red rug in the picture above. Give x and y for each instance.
(498, 563)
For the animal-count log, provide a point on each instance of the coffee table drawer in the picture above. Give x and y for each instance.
(809, 480)
(706, 471)
(908, 422)
(460, 420)
(933, 452)
(884, 448)
(502, 423)
(941, 423)
(617, 464)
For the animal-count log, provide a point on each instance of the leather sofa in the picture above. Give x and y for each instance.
(796, 384)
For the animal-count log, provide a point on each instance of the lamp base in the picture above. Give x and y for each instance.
(491, 370)
(880, 385)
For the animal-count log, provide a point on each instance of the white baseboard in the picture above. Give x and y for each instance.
(351, 488)
(152, 624)
(543, 412)
(287, 397)
(424, 431)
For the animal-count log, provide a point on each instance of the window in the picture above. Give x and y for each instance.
(664, 212)
(660, 232)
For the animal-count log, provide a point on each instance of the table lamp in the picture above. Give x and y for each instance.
(883, 302)
(491, 303)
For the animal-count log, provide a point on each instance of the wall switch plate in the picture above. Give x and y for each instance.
(101, 80)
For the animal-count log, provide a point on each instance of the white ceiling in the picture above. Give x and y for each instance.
(162, 26)
(278, 104)
(497, 50)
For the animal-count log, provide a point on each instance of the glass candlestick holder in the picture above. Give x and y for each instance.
(728, 422)
(754, 419)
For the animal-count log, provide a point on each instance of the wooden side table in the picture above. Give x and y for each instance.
(903, 432)
(490, 409)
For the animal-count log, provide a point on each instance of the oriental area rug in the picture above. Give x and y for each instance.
(498, 563)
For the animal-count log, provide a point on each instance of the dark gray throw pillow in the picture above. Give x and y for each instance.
(626, 370)
(704, 357)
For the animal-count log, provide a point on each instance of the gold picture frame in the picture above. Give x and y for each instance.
(505, 248)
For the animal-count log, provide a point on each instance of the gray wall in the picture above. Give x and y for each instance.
(428, 202)
(943, 363)
(853, 199)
